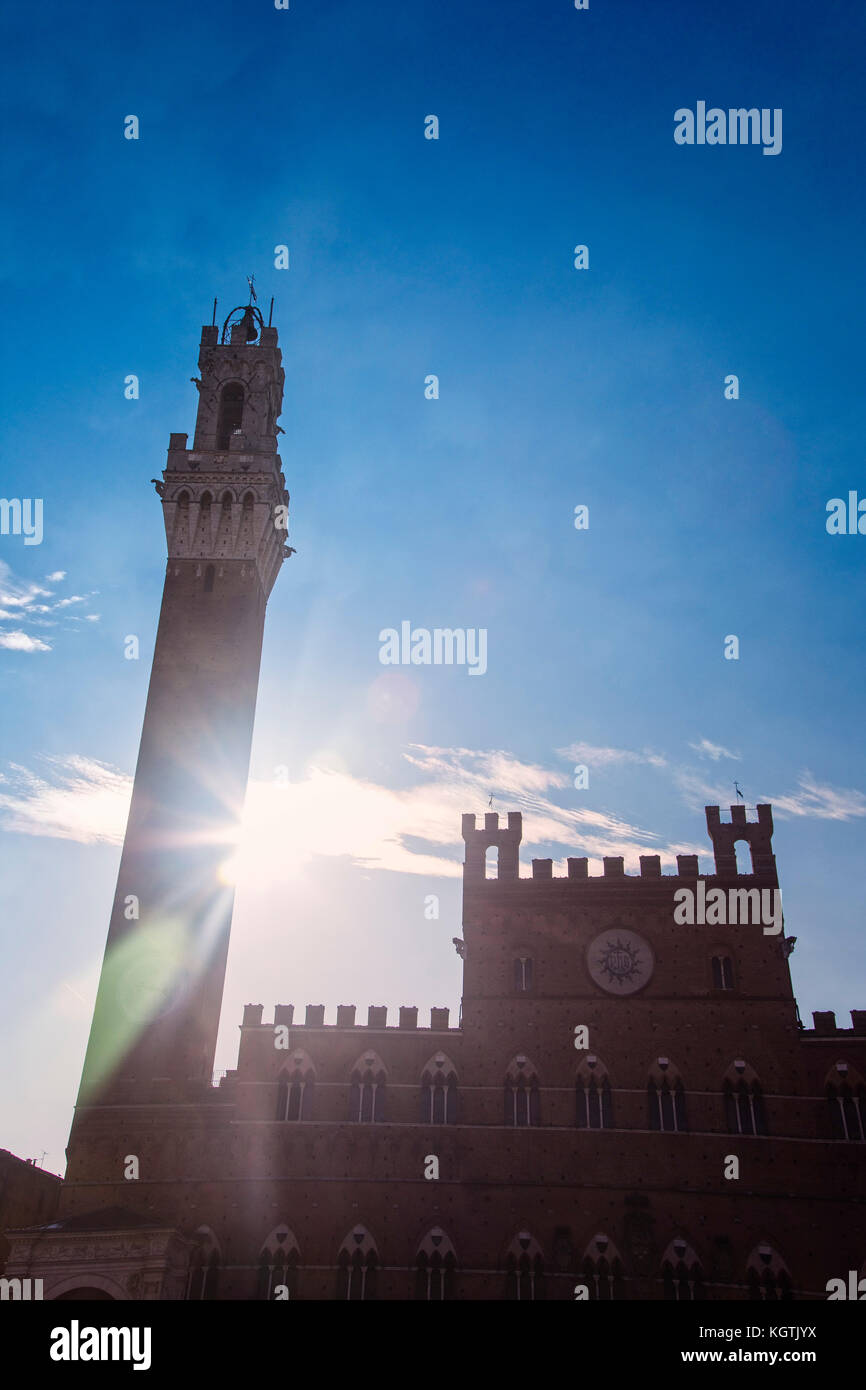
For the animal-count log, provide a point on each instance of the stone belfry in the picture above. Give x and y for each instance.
(225, 507)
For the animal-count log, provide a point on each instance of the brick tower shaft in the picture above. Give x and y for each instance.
(225, 508)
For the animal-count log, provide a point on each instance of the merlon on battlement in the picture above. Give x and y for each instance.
(493, 853)
(825, 1025)
(377, 1017)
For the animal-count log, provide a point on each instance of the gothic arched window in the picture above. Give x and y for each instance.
(682, 1274)
(231, 413)
(602, 1270)
(367, 1090)
(666, 1098)
(357, 1264)
(524, 1270)
(723, 971)
(743, 1100)
(204, 1265)
(439, 1092)
(435, 1264)
(593, 1096)
(278, 1264)
(846, 1095)
(847, 1112)
(767, 1276)
(295, 1090)
(522, 1095)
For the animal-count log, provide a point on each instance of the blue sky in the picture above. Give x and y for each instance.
(557, 387)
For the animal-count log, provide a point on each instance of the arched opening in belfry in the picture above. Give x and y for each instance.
(743, 855)
(491, 861)
(231, 413)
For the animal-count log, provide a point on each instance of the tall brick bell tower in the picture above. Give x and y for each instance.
(225, 506)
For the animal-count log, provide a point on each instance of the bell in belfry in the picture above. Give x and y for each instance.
(251, 331)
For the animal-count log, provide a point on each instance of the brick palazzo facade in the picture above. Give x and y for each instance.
(515, 1156)
(27, 1194)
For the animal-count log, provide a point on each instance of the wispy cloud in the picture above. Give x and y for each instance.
(822, 802)
(593, 756)
(333, 813)
(15, 593)
(697, 792)
(75, 799)
(706, 749)
(462, 779)
(24, 601)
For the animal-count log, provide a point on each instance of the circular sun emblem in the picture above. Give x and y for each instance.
(620, 961)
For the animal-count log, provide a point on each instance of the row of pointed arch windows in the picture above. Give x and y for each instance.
(742, 1096)
(367, 1089)
(205, 504)
(206, 500)
(600, 1271)
(666, 1098)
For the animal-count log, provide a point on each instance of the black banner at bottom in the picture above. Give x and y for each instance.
(252, 1339)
